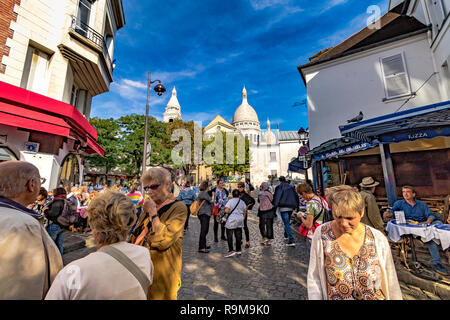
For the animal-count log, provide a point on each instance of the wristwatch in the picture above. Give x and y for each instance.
(153, 217)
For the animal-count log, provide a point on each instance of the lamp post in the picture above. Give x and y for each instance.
(159, 89)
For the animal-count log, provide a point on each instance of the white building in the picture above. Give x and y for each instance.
(270, 152)
(382, 71)
(173, 108)
(59, 55)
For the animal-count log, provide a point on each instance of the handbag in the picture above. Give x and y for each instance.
(215, 210)
(225, 216)
(304, 231)
(195, 207)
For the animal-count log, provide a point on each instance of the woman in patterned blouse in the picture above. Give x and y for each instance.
(350, 260)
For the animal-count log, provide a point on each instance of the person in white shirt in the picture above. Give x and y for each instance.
(106, 274)
(235, 209)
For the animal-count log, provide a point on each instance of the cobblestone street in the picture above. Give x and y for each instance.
(275, 272)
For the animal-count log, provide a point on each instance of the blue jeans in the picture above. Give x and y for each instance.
(433, 248)
(286, 216)
(57, 234)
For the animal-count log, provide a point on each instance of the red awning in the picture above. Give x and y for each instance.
(18, 96)
(95, 147)
(25, 109)
(14, 116)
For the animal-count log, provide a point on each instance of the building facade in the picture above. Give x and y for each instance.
(392, 79)
(55, 55)
(270, 151)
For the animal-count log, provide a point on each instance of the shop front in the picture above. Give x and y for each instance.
(406, 148)
(52, 135)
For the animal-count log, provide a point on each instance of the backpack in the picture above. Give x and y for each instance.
(195, 207)
(69, 214)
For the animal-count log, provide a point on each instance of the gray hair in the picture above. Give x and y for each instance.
(14, 176)
(159, 175)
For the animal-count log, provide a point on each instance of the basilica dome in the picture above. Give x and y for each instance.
(245, 113)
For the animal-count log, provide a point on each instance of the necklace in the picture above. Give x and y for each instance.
(357, 293)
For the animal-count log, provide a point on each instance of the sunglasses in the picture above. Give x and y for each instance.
(43, 180)
(153, 187)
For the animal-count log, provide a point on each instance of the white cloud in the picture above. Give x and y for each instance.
(254, 91)
(168, 77)
(136, 84)
(262, 4)
(333, 3)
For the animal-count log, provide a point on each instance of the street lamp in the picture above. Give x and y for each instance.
(159, 89)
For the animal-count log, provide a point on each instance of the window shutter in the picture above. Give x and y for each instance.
(396, 78)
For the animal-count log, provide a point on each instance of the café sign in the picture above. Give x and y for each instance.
(346, 150)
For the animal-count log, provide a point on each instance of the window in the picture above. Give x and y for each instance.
(84, 13)
(273, 156)
(396, 79)
(35, 75)
(74, 96)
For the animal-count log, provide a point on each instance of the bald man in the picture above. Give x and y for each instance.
(29, 259)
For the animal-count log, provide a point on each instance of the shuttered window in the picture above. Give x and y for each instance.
(396, 79)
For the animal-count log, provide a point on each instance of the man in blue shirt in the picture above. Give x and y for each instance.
(418, 211)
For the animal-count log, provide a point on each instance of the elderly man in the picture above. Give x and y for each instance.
(372, 215)
(29, 258)
(160, 229)
(418, 211)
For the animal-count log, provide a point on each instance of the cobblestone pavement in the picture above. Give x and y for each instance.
(260, 273)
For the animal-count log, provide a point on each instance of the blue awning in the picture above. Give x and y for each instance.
(356, 147)
(418, 123)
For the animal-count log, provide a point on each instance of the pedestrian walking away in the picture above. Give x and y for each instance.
(204, 216)
(349, 260)
(249, 202)
(187, 195)
(266, 214)
(286, 200)
(117, 270)
(30, 260)
(53, 211)
(234, 209)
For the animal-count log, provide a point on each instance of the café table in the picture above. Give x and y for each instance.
(439, 233)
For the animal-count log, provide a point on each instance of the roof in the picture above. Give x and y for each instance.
(394, 26)
(219, 121)
(245, 112)
(417, 123)
(288, 135)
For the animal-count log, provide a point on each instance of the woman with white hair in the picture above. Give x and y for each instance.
(160, 229)
(117, 270)
(350, 260)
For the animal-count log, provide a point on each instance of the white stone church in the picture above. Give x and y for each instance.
(270, 151)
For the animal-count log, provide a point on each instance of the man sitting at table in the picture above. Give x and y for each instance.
(417, 210)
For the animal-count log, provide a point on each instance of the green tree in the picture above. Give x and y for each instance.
(132, 132)
(190, 126)
(226, 169)
(108, 131)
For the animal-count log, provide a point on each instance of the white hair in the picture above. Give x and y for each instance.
(14, 176)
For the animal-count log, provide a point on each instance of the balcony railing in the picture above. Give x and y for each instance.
(93, 36)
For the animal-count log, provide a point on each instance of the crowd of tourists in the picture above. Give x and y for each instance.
(140, 228)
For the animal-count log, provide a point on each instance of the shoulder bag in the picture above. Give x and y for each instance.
(129, 265)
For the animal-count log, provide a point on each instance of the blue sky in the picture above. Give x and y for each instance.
(210, 49)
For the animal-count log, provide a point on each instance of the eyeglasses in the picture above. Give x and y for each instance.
(153, 187)
(43, 180)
